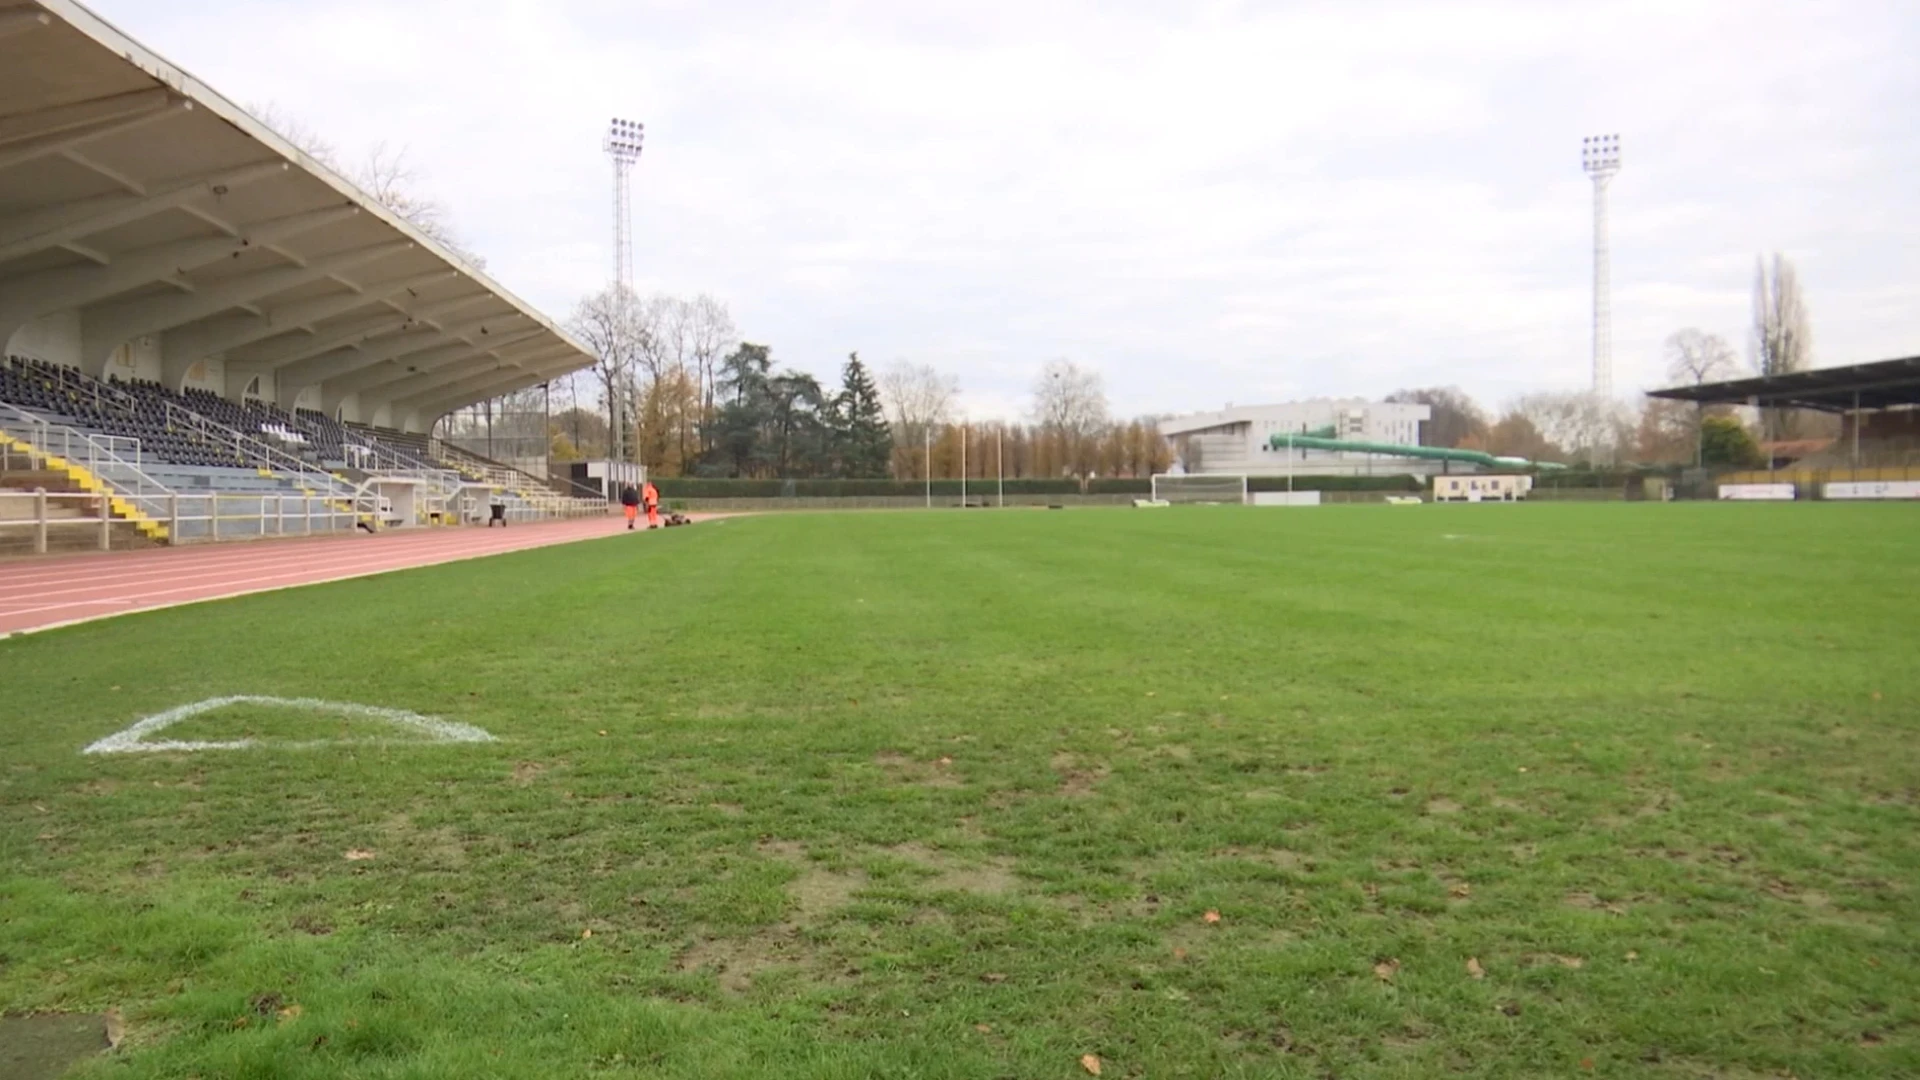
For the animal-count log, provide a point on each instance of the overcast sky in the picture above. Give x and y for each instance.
(1209, 202)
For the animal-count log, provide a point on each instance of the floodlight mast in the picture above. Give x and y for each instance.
(622, 144)
(1600, 157)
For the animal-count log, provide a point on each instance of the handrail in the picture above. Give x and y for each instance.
(92, 451)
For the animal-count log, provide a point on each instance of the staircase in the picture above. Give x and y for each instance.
(79, 462)
(72, 516)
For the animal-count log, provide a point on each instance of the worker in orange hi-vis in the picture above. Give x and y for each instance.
(650, 495)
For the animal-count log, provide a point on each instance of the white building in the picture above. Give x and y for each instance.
(1238, 439)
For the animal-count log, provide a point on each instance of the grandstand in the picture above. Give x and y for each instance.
(217, 334)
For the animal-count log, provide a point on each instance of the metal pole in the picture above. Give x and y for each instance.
(963, 466)
(1000, 463)
(39, 521)
(1856, 430)
(106, 522)
(927, 453)
(213, 517)
(173, 518)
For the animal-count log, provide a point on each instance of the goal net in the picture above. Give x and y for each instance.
(1199, 488)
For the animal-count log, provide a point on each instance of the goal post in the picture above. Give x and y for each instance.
(1196, 488)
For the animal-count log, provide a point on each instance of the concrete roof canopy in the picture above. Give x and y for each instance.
(1882, 384)
(138, 200)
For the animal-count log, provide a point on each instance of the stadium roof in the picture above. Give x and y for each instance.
(1879, 385)
(157, 210)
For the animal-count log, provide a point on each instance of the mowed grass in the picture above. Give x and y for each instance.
(1499, 791)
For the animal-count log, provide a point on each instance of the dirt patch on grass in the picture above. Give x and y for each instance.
(1442, 805)
(525, 772)
(45, 1046)
(902, 769)
(1278, 858)
(1587, 901)
(1078, 778)
(990, 877)
(735, 962)
(817, 891)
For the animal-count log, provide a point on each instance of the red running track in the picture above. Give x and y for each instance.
(41, 593)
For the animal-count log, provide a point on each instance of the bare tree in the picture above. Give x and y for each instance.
(919, 399)
(1070, 404)
(384, 174)
(710, 335)
(1695, 357)
(1578, 422)
(1456, 417)
(609, 323)
(1782, 340)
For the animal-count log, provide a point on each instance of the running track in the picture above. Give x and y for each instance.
(39, 593)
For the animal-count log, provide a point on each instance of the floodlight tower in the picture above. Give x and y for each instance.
(622, 144)
(1600, 157)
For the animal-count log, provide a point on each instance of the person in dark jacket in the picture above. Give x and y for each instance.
(630, 498)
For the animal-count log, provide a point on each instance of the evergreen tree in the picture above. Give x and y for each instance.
(863, 444)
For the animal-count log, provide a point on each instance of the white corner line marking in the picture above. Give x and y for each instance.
(134, 739)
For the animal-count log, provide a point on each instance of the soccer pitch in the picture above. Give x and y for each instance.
(1499, 791)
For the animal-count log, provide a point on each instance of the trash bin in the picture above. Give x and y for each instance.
(499, 515)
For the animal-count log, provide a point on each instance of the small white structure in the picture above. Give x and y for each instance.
(1238, 439)
(1482, 488)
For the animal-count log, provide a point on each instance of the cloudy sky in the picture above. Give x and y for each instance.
(1209, 201)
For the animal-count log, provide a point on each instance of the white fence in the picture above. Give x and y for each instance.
(40, 513)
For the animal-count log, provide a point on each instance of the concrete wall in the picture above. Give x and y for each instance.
(53, 338)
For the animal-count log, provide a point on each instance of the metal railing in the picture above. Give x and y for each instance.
(222, 516)
(105, 456)
(40, 511)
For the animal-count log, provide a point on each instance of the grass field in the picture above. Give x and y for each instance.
(1497, 791)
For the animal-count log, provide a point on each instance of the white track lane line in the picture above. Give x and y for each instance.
(357, 565)
(528, 545)
(120, 567)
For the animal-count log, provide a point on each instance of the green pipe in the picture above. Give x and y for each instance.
(1425, 453)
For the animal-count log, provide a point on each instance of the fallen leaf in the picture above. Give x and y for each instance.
(1587, 1064)
(1474, 969)
(291, 1012)
(1385, 969)
(1090, 1063)
(1461, 889)
(1179, 953)
(1210, 917)
(1632, 955)
(1523, 768)
(984, 1029)
(358, 855)
(1571, 961)
(587, 933)
(1096, 1071)
(944, 762)
(40, 808)
(603, 731)
(993, 977)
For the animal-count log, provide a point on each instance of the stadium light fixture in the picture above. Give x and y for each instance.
(1600, 159)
